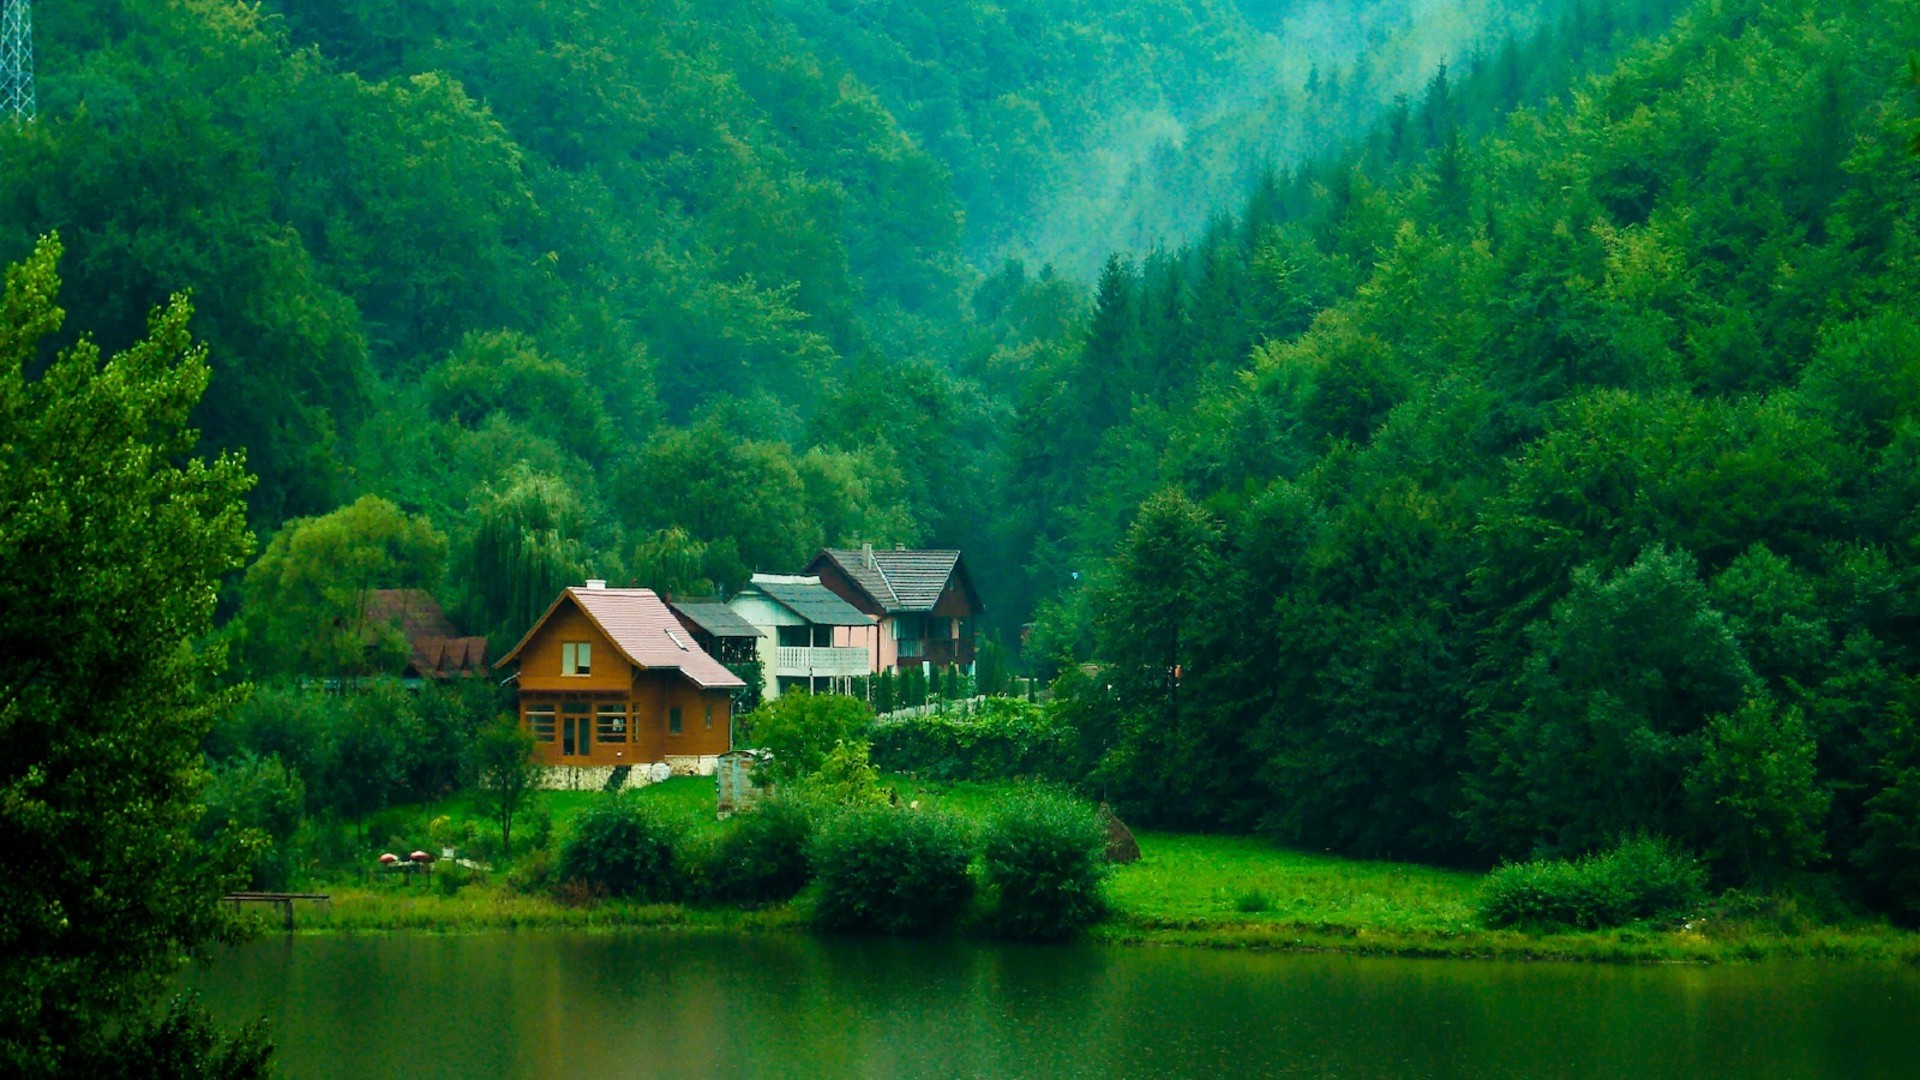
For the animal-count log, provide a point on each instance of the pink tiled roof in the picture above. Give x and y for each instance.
(642, 627)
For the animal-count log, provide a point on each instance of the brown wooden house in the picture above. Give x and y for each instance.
(435, 650)
(610, 677)
(923, 601)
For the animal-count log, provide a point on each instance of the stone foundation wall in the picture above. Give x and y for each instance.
(595, 777)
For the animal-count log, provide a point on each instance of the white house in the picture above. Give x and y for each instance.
(818, 641)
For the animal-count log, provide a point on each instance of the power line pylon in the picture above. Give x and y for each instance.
(16, 60)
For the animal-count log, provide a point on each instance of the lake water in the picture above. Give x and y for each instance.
(704, 1004)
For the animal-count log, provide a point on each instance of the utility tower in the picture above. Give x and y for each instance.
(16, 60)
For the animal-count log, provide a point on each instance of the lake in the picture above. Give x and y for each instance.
(708, 1004)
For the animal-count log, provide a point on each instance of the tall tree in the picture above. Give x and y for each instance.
(111, 541)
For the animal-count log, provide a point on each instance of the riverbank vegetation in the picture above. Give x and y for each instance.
(1186, 889)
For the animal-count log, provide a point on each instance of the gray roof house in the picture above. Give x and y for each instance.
(922, 600)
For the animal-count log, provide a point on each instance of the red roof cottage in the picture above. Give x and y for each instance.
(608, 677)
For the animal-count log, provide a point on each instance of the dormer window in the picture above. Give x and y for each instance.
(576, 658)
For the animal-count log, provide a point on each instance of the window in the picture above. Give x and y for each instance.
(576, 658)
(540, 720)
(610, 723)
(673, 720)
(793, 637)
(709, 718)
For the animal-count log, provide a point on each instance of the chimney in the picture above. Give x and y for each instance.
(596, 583)
(866, 556)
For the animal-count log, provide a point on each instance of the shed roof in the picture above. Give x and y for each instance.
(715, 618)
(899, 579)
(644, 631)
(807, 598)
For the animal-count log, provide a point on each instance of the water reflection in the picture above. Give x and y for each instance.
(695, 1004)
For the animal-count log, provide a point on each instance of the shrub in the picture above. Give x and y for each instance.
(800, 729)
(450, 877)
(764, 857)
(1252, 902)
(845, 778)
(1003, 739)
(892, 871)
(534, 874)
(257, 801)
(623, 847)
(1045, 859)
(1641, 878)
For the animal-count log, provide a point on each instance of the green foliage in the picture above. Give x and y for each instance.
(305, 611)
(1759, 807)
(891, 871)
(367, 750)
(112, 541)
(1044, 855)
(765, 855)
(258, 804)
(845, 777)
(624, 848)
(504, 773)
(1000, 739)
(1638, 879)
(526, 548)
(182, 1041)
(800, 730)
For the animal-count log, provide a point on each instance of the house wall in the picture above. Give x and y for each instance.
(540, 660)
(764, 615)
(887, 649)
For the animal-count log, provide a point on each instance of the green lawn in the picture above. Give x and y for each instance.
(1238, 879)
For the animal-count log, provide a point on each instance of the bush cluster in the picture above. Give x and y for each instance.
(765, 855)
(1044, 855)
(1641, 878)
(1001, 739)
(624, 847)
(892, 871)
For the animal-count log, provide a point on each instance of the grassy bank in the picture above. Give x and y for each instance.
(1186, 890)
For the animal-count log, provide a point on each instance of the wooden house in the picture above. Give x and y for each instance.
(819, 642)
(922, 601)
(433, 648)
(609, 677)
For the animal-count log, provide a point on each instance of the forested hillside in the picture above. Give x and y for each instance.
(1567, 491)
(1488, 434)
(667, 292)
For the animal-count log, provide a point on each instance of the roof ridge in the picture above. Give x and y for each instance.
(892, 593)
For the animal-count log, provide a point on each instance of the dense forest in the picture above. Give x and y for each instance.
(1449, 434)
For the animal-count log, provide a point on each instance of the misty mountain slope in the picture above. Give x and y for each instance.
(1073, 127)
(1181, 324)
(1588, 512)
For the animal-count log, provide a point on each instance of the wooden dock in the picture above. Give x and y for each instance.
(283, 900)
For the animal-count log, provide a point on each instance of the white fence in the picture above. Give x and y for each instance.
(962, 707)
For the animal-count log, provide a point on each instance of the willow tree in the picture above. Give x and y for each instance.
(112, 540)
(526, 548)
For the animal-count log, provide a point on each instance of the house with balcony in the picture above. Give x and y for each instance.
(813, 639)
(609, 679)
(922, 602)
